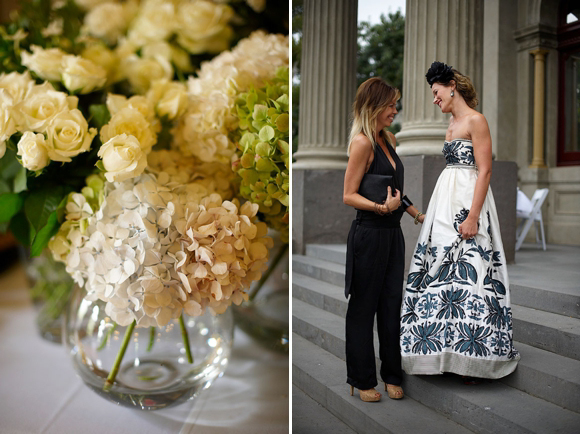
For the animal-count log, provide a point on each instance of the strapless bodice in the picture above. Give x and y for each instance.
(459, 152)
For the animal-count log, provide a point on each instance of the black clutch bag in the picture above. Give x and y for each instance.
(374, 187)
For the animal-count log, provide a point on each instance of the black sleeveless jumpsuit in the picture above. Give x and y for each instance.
(374, 279)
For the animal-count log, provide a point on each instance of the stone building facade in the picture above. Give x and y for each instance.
(522, 56)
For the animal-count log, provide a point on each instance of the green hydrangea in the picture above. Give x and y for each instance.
(262, 140)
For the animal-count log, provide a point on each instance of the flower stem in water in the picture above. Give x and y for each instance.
(271, 268)
(120, 354)
(185, 339)
(151, 339)
(107, 336)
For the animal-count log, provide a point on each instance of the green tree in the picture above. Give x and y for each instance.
(380, 49)
(297, 14)
(379, 54)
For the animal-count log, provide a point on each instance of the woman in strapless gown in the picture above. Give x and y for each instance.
(456, 315)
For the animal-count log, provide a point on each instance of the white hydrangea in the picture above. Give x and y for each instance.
(203, 130)
(157, 247)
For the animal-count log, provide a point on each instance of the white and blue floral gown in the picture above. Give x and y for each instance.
(456, 314)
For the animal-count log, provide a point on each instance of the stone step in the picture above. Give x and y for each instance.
(320, 269)
(308, 416)
(540, 373)
(545, 292)
(322, 376)
(329, 252)
(545, 330)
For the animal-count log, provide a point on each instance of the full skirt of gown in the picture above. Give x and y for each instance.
(456, 314)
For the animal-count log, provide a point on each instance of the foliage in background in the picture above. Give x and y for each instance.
(297, 16)
(379, 53)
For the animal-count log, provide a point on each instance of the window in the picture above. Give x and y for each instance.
(569, 84)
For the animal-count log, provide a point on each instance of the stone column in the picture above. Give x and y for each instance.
(449, 31)
(328, 83)
(539, 101)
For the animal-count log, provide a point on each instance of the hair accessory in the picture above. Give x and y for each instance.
(439, 72)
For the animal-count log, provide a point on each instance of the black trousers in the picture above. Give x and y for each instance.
(376, 287)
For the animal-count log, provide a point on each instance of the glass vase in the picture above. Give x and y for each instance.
(265, 316)
(154, 370)
(50, 290)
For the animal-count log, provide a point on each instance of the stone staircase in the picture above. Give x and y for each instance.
(541, 396)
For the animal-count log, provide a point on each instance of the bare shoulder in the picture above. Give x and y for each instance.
(361, 144)
(477, 121)
(392, 139)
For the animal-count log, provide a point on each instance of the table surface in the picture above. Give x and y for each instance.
(41, 393)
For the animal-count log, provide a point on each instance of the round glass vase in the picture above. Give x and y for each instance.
(50, 290)
(154, 370)
(265, 316)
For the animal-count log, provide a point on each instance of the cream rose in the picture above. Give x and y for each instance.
(155, 22)
(170, 98)
(82, 75)
(122, 158)
(131, 122)
(100, 55)
(107, 21)
(7, 124)
(41, 105)
(32, 151)
(47, 64)
(69, 135)
(16, 84)
(203, 26)
(141, 72)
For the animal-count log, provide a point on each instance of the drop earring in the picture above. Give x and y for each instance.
(452, 93)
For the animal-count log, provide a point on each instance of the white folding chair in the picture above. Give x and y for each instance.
(530, 211)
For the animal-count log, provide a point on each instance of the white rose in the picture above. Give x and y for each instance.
(100, 55)
(33, 152)
(69, 135)
(82, 75)
(47, 64)
(170, 98)
(115, 103)
(203, 26)
(122, 158)
(41, 105)
(155, 22)
(90, 4)
(257, 5)
(141, 72)
(130, 121)
(7, 124)
(107, 21)
(16, 84)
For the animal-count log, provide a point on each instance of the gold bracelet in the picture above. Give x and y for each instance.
(419, 214)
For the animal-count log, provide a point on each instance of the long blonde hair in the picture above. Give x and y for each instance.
(372, 97)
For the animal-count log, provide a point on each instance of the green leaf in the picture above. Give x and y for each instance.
(20, 181)
(267, 133)
(283, 122)
(45, 234)
(100, 115)
(20, 228)
(10, 204)
(9, 165)
(40, 204)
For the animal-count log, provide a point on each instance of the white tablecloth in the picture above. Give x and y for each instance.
(40, 392)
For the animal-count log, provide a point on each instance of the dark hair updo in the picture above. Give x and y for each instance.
(439, 72)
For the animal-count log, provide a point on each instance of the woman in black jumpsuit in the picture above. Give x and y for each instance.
(376, 247)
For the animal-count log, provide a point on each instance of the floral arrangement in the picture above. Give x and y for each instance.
(146, 143)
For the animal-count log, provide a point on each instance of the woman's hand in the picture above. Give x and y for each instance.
(468, 229)
(421, 218)
(393, 202)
